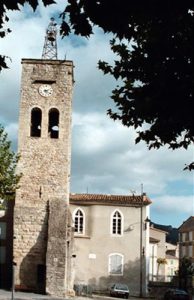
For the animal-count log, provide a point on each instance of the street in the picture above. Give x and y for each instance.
(7, 295)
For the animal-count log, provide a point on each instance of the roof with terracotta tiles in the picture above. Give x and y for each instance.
(188, 225)
(104, 199)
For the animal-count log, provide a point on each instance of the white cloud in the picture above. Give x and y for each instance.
(104, 156)
(103, 147)
(12, 130)
(172, 209)
(174, 204)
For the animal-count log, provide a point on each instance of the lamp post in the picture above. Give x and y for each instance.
(13, 281)
(140, 222)
(147, 220)
(13, 277)
(10, 196)
(141, 248)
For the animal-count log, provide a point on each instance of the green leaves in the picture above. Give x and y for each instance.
(186, 267)
(48, 2)
(153, 43)
(78, 19)
(3, 62)
(189, 167)
(8, 162)
(154, 48)
(14, 5)
(156, 80)
(105, 67)
(64, 29)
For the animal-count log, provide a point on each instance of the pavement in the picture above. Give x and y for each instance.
(7, 295)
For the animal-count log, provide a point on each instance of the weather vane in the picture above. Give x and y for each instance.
(50, 43)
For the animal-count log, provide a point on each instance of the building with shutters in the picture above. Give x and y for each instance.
(186, 239)
(111, 241)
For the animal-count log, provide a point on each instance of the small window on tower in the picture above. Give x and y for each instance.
(53, 127)
(36, 119)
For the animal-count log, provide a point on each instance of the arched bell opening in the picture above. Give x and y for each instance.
(36, 120)
(53, 126)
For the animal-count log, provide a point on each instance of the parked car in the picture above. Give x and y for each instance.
(119, 290)
(176, 294)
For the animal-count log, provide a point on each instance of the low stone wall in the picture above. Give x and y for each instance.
(158, 289)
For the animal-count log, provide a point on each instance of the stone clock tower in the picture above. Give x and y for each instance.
(42, 225)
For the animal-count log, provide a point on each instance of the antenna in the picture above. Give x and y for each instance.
(133, 192)
(50, 42)
(141, 188)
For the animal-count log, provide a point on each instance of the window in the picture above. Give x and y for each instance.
(36, 119)
(190, 251)
(116, 264)
(116, 223)
(53, 126)
(187, 236)
(79, 221)
(183, 251)
(2, 230)
(180, 237)
(2, 254)
(183, 237)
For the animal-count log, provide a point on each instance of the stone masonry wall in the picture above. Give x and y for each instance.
(30, 246)
(44, 164)
(59, 240)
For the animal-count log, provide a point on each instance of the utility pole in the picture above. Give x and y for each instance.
(141, 244)
(13, 282)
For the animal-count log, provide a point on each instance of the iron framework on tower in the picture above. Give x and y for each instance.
(50, 43)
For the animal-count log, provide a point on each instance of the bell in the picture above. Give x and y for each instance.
(51, 36)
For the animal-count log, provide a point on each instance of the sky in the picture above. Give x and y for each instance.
(105, 159)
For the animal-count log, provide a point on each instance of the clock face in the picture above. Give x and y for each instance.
(45, 90)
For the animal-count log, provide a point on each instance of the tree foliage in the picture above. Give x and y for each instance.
(6, 5)
(160, 261)
(153, 44)
(8, 161)
(186, 270)
(186, 267)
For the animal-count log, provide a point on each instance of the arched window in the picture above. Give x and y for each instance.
(116, 223)
(115, 264)
(79, 221)
(53, 125)
(36, 120)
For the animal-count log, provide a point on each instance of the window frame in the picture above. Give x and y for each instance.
(74, 216)
(34, 131)
(109, 264)
(3, 230)
(3, 254)
(111, 223)
(53, 117)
